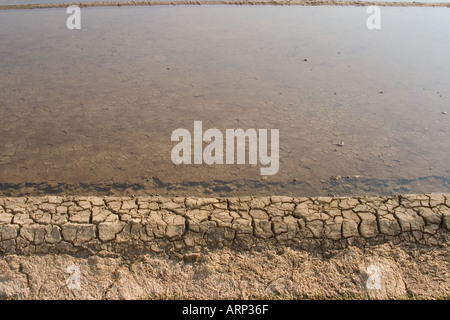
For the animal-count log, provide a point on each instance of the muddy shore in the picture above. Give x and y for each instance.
(225, 248)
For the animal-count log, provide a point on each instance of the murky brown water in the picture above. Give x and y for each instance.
(93, 110)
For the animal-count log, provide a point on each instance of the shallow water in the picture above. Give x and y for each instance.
(93, 110)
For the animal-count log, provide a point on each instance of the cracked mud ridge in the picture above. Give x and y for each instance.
(243, 247)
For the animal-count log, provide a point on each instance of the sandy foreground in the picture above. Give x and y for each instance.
(225, 248)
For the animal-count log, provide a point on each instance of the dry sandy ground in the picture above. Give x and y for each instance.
(405, 272)
(228, 248)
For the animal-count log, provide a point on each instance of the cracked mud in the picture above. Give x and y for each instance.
(211, 242)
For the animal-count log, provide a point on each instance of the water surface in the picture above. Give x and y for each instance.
(93, 110)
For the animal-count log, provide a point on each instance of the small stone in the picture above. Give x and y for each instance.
(192, 257)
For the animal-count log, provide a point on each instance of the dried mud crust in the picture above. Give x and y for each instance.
(225, 248)
(220, 2)
(182, 226)
(405, 272)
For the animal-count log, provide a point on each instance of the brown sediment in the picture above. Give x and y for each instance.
(220, 2)
(225, 248)
(106, 128)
